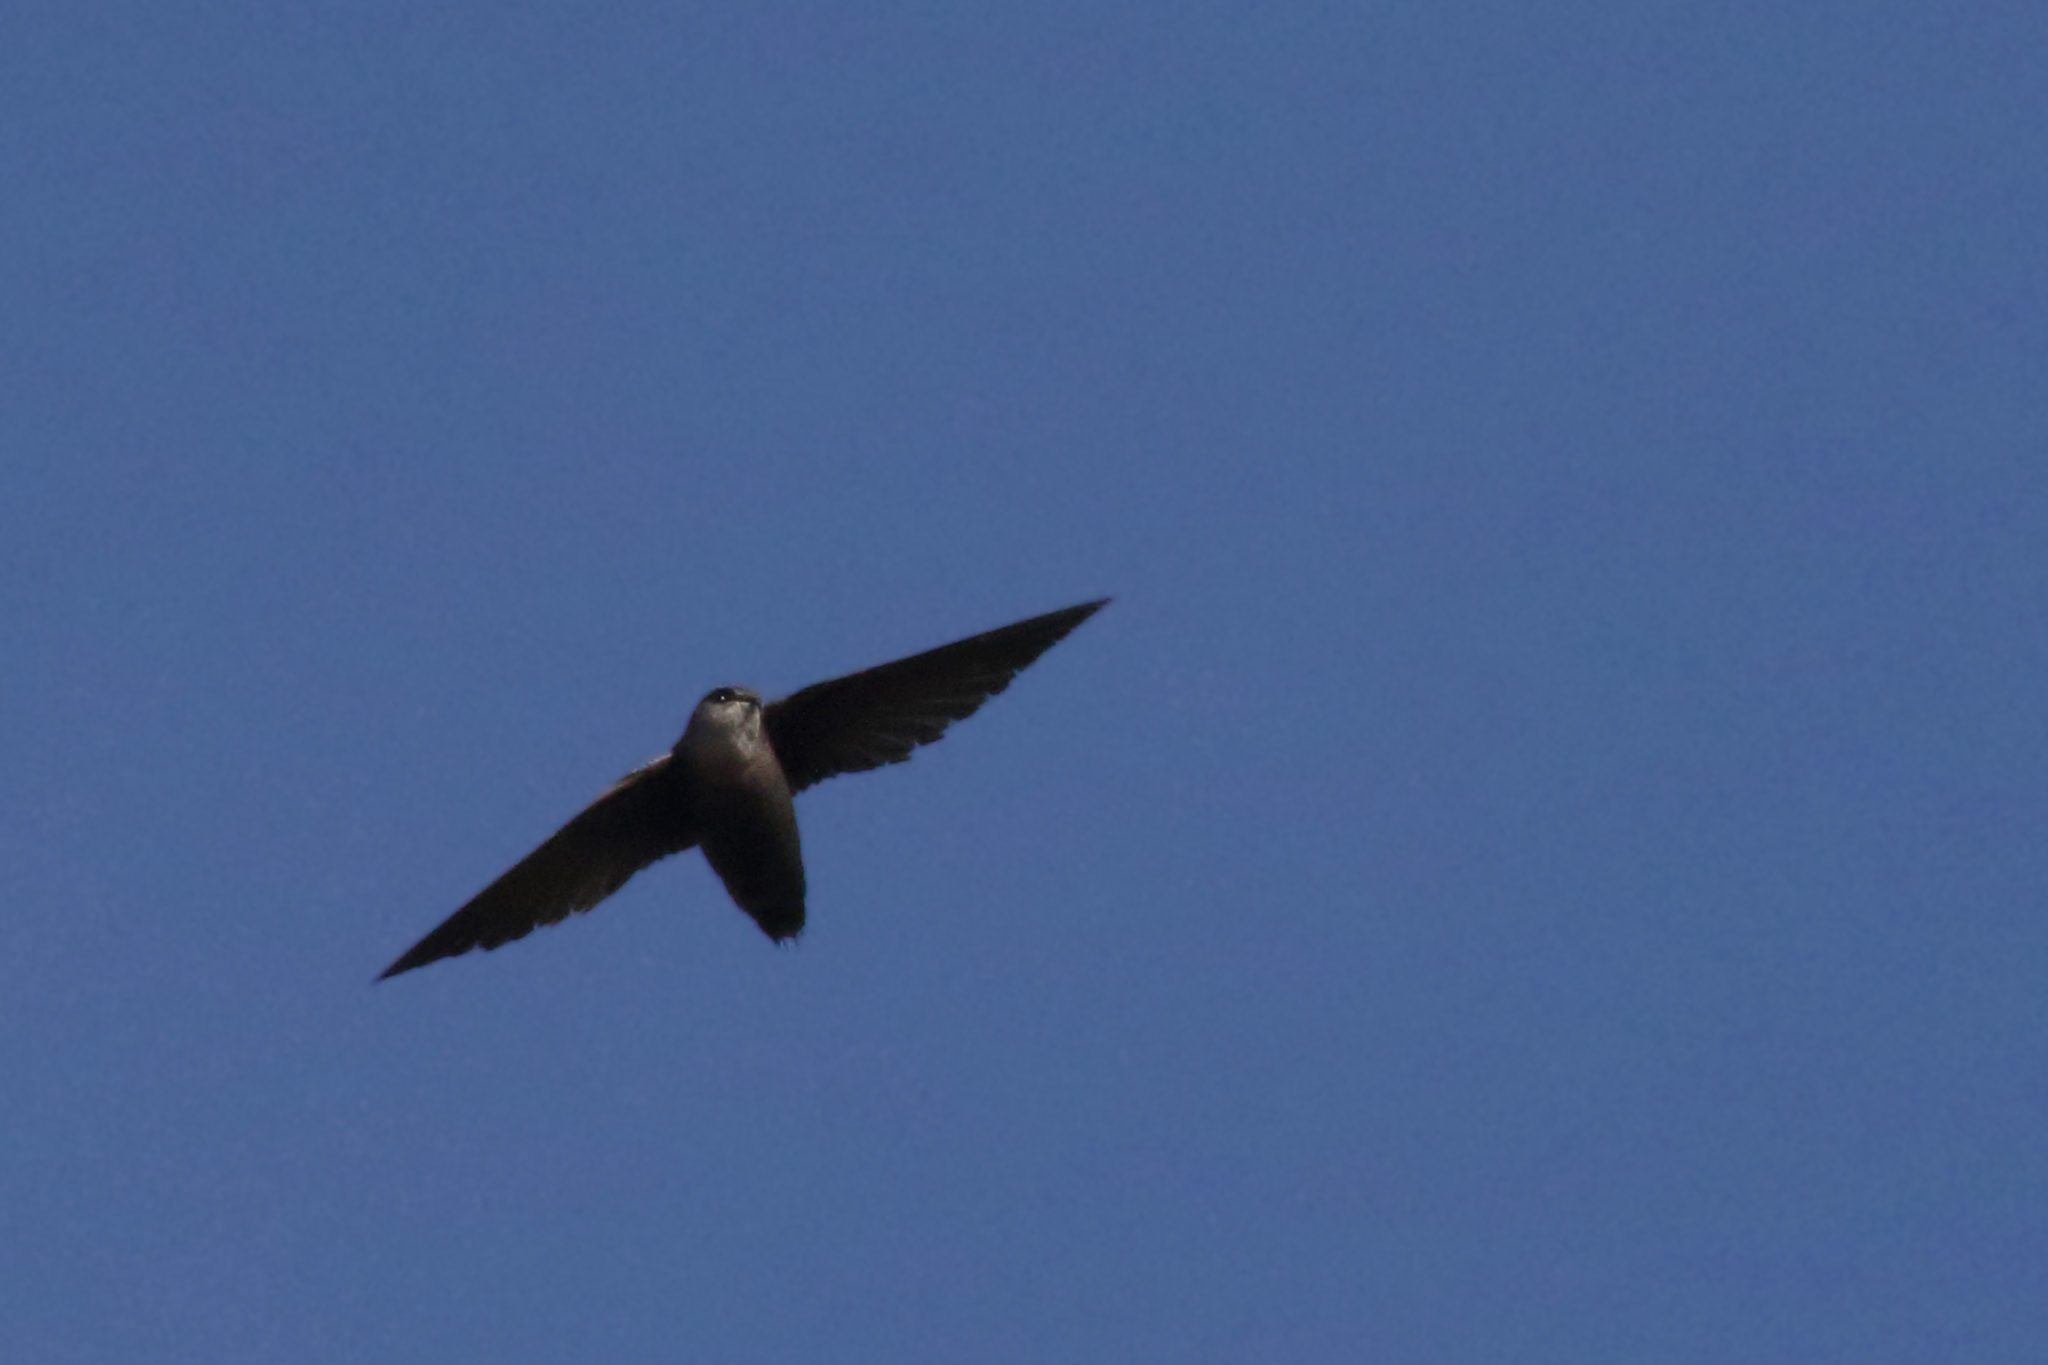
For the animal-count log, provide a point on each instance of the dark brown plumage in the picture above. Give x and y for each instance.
(727, 785)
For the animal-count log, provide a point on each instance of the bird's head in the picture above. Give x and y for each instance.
(728, 701)
(726, 714)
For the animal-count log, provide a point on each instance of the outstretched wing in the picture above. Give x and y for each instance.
(867, 719)
(645, 816)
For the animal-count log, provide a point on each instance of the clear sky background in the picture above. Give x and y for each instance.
(1543, 861)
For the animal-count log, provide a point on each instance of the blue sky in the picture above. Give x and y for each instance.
(1542, 861)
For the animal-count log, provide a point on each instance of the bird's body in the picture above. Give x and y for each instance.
(746, 818)
(728, 786)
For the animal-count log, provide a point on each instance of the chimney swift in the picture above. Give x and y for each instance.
(727, 783)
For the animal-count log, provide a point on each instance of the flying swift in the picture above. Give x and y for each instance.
(726, 787)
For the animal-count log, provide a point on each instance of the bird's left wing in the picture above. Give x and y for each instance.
(864, 720)
(645, 816)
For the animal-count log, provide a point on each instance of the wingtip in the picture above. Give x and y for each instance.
(1081, 611)
(1072, 617)
(410, 960)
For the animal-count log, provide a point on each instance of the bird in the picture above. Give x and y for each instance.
(727, 787)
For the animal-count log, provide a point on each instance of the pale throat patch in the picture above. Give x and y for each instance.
(723, 739)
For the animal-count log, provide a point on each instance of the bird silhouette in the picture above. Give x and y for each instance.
(727, 786)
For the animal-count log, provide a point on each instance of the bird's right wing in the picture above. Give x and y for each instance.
(864, 720)
(645, 816)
